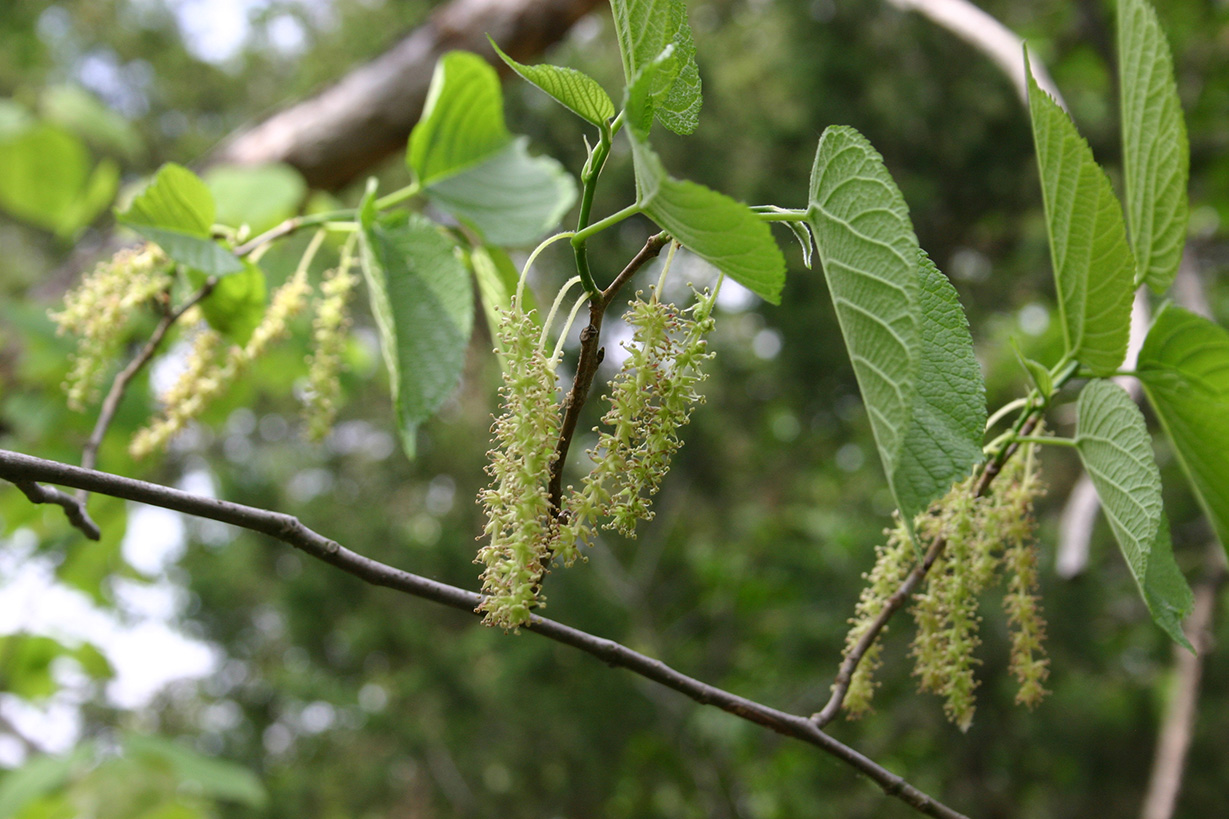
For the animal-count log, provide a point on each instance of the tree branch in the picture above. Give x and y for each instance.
(341, 132)
(25, 470)
(590, 360)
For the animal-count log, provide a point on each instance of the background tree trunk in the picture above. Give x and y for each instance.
(341, 132)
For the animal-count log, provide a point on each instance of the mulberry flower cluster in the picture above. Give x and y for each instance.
(986, 538)
(650, 399)
(329, 328)
(211, 369)
(98, 311)
(520, 524)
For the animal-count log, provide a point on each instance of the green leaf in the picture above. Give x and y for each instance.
(1112, 439)
(26, 671)
(42, 776)
(213, 778)
(512, 198)
(948, 418)
(1093, 265)
(45, 179)
(422, 300)
(259, 196)
(1184, 367)
(645, 29)
(79, 111)
(176, 211)
(575, 90)
(870, 257)
(462, 123)
(722, 231)
(1155, 153)
(497, 277)
(236, 305)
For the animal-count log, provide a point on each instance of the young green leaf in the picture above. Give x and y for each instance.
(1155, 154)
(237, 302)
(1113, 443)
(462, 123)
(1093, 265)
(422, 301)
(176, 212)
(869, 256)
(720, 230)
(512, 198)
(45, 179)
(1184, 367)
(947, 421)
(645, 28)
(575, 90)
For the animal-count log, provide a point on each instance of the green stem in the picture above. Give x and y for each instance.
(610, 221)
(771, 213)
(1036, 439)
(398, 196)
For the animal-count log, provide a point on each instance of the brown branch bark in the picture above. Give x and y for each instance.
(25, 470)
(341, 132)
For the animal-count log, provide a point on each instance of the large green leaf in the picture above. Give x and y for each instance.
(575, 90)
(948, 417)
(1093, 265)
(1112, 439)
(176, 211)
(722, 231)
(1184, 366)
(512, 198)
(422, 300)
(870, 255)
(1155, 154)
(645, 28)
(462, 122)
(45, 179)
(258, 196)
(79, 111)
(236, 305)
(41, 776)
(213, 778)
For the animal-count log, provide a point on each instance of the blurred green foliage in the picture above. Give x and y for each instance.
(347, 700)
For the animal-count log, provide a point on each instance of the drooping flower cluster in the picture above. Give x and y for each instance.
(520, 524)
(983, 538)
(99, 309)
(650, 398)
(211, 369)
(329, 328)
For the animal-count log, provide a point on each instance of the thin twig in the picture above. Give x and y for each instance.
(89, 453)
(16, 467)
(844, 675)
(74, 510)
(590, 360)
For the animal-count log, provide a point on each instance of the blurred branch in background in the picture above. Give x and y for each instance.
(1169, 763)
(1003, 46)
(341, 132)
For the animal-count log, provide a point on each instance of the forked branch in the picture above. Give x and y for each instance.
(25, 470)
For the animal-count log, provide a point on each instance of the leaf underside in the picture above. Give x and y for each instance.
(645, 28)
(422, 301)
(1112, 439)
